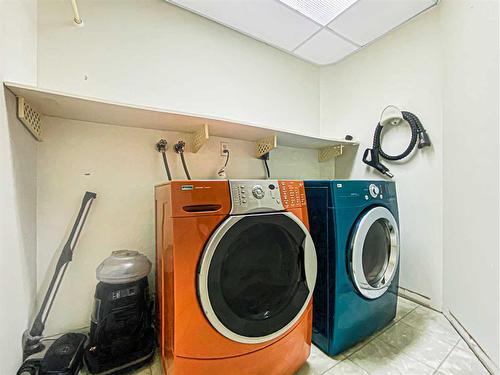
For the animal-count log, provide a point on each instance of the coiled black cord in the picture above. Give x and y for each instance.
(416, 128)
(371, 156)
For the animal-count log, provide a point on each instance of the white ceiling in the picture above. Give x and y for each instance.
(320, 31)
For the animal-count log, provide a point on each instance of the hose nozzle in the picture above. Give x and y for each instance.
(423, 140)
(371, 158)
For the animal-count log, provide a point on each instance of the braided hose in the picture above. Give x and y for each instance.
(161, 146)
(179, 148)
(416, 128)
(184, 165)
(418, 133)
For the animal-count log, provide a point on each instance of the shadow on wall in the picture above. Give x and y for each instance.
(19, 223)
(349, 157)
(24, 163)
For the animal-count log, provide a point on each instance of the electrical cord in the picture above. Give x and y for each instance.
(265, 158)
(161, 146)
(179, 148)
(222, 172)
(268, 172)
(372, 155)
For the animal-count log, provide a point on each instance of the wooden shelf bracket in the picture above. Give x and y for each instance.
(29, 117)
(199, 138)
(264, 145)
(327, 153)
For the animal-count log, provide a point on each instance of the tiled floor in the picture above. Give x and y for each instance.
(420, 341)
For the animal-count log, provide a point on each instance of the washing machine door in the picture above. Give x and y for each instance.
(257, 275)
(374, 252)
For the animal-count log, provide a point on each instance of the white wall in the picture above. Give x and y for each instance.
(123, 167)
(471, 167)
(439, 66)
(18, 182)
(443, 66)
(151, 53)
(402, 69)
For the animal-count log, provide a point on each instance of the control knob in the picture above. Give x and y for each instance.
(374, 190)
(258, 192)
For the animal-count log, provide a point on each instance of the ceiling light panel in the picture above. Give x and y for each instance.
(325, 48)
(267, 20)
(321, 11)
(369, 19)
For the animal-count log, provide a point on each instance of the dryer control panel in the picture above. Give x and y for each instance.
(293, 194)
(248, 196)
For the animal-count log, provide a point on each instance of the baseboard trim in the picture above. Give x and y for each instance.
(415, 297)
(472, 343)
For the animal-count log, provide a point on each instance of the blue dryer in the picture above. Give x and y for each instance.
(354, 225)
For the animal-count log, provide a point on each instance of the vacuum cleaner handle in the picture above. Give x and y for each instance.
(66, 256)
(77, 228)
(371, 158)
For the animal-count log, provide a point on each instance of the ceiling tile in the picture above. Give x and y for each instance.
(367, 20)
(321, 11)
(267, 20)
(325, 48)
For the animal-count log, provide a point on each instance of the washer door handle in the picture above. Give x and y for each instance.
(310, 261)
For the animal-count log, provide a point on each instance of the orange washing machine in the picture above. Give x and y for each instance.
(236, 269)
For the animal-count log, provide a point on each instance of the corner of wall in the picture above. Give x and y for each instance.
(18, 176)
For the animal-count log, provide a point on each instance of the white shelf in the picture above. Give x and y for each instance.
(70, 106)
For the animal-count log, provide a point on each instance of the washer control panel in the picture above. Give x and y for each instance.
(249, 196)
(362, 191)
(293, 194)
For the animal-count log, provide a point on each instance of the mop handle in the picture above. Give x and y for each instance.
(65, 257)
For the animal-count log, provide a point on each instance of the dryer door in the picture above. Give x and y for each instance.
(374, 252)
(257, 275)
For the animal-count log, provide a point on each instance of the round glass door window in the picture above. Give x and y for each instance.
(256, 276)
(375, 252)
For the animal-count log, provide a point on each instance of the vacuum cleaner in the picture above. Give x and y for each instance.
(122, 336)
(60, 355)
